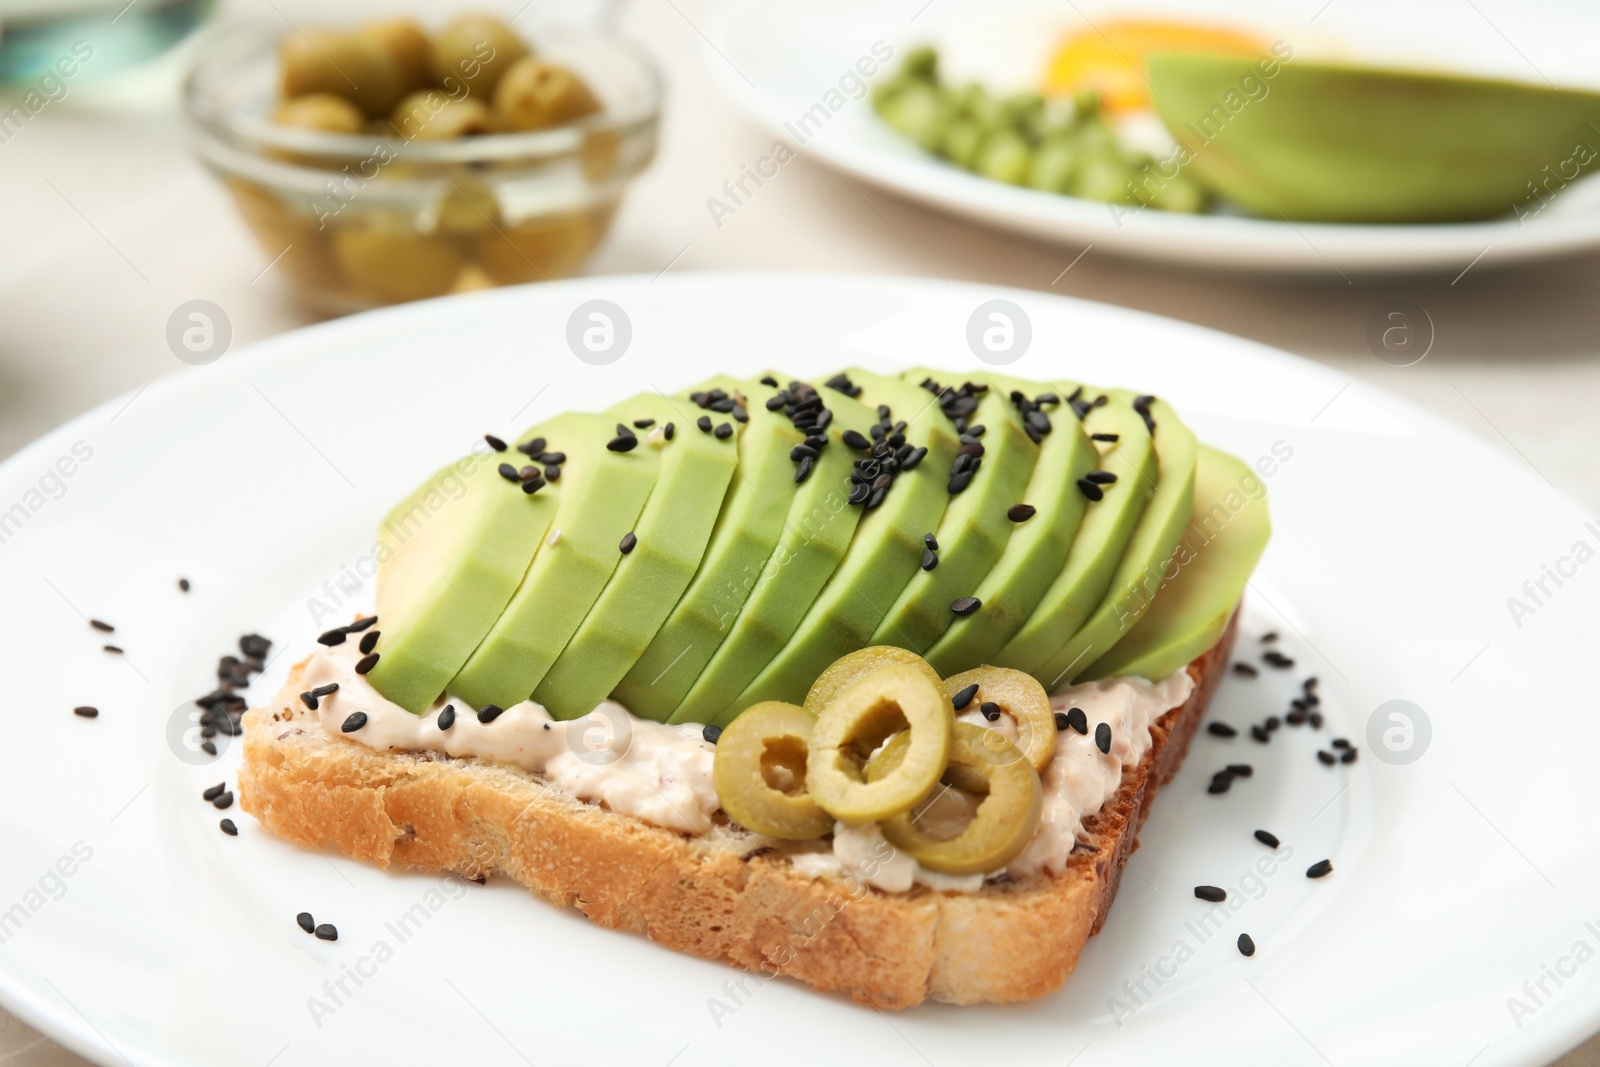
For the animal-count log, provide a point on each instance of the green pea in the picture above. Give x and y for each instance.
(1180, 194)
(962, 138)
(1022, 110)
(918, 111)
(1004, 156)
(1054, 165)
(1103, 177)
(922, 63)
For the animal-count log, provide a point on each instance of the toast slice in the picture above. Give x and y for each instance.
(729, 895)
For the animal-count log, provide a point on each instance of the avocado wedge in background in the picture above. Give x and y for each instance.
(1225, 538)
(1330, 142)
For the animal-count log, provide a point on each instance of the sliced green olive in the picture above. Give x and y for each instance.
(861, 717)
(1021, 697)
(847, 670)
(760, 772)
(1006, 816)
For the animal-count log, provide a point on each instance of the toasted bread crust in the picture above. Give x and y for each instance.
(727, 895)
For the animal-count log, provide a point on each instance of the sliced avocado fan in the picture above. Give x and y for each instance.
(669, 541)
(1150, 549)
(1220, 548)
(746, 532)
(993, 463)
(603, 489)
(816, 532)
(450, 557)
(1038, 547)
(1103, 535)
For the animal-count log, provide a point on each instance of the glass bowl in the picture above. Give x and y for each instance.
(358, 220)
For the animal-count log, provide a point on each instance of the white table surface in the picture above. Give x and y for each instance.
(109, 225)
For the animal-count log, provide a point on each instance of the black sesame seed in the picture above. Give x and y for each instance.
(1090, 490)
(355, 721)
(223, 801)
(643, 424)
(366, 663)
(309, 700)
(1274, 658)
(1315, 719)
(533, 447)
(963, 696)
(325, 690)
(724, 431)
(626, 544)
(931, 541)
(306, 922)
(489, 713)
(1102, 738)
(86, 712)
(508, 472)
(1269, 637)
(228, 828)
(1240, 770)
(112, 648)
(1260, 734)
(622, 444)
(854, 439)
(447, 717)
(495, 442)
(327, 932)
(1266, 838)
(916, 457)
(1327, 757)
(1220, 785)
(1021, 512)
(213, 792)
(1340, 742)
(1222, 729)
(209, 747)
(623, 431)
(369, 641)
(1061, 721)
(769, 380)
(803, 470)
(1248, 670)
(1273, 722)
(711, 733)
(103, 627)
(1247, 945)
(360, 624)
(990, 710)
(183, 584)
(930, 559)
(1319, 869)
(1212, 893)
(1310, 684)
(965, 605)
(1297, 717)
(1103, 437)
(669, 431)
(1078, 720)
(1348, 756)
(1101, 477)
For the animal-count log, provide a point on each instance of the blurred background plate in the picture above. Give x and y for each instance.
(778, 59)
(135, 932)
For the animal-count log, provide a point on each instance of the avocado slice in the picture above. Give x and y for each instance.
(670, 541)
(1103, 535)
(602, 493)
(816, 533)
(1149, 554)
(974, 531)
(743, 539)
(1342, 143)
(1038, 548)
(451, 555)
(883, 555)
(1224, 540)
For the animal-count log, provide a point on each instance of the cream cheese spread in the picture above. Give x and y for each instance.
(663, 774)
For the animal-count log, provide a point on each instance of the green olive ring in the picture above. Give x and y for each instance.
(847, 670)
(765, 737)
(1024, 699)
(857, 721)
(1006, 818)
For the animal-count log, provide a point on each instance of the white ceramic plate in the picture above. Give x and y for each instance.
(1398, 540)
(778, 60)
